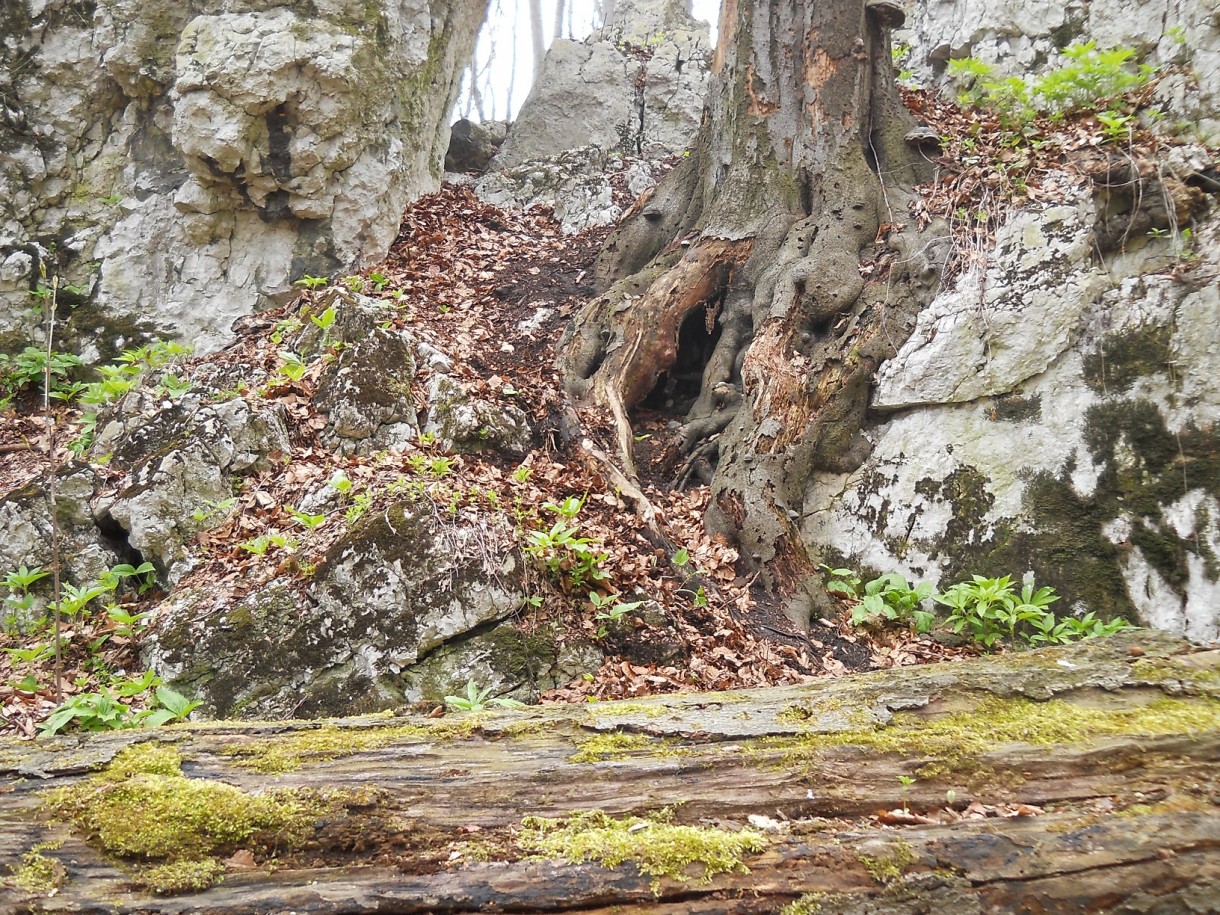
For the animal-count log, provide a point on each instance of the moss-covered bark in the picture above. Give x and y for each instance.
(1082, 779)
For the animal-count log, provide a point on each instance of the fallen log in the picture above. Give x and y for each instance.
(1071, 779)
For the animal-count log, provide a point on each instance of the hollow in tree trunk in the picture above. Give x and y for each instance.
(754, 293)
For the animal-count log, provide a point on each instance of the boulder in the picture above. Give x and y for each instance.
(365, 389)
(190, 161)
(471, 146)
(633, 89)
(183, 456)
(463, 423)
(403, 584)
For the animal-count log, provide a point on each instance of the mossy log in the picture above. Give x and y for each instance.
(1081, 779)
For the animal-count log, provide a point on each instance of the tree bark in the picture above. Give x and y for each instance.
(1106, 823)
(537, 39)
(784, 231)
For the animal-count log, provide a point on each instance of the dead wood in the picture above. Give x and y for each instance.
(1104, 801)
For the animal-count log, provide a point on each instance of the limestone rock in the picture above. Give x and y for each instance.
(183, 455)
(578, 185)
(507, 660)
(464, 423)
(632, 89)
(471, 145)
(189, 161)
(403, 584)
(1020, 37)
(1064, 423)
(86, 550)
(365, 391)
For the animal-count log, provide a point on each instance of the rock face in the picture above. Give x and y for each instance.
(1020, 36)
(1054, 414)
(602, 112)
(187, 161)
(405, 606)
(183, 456)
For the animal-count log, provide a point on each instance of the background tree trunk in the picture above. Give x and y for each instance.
(537, 37)
(774, 267)
(1047, 817)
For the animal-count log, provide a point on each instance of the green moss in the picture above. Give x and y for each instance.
(134, 809)
(956, 741)
(181, 876)
(145, 759)
(38, 873)
(600, 709)
(654, 844)
(888, 868)
(808, 904)
(288, 752)
(615, 745)
(1160, 671)
(1012, 408)
(1126, 358)
(1175, 803)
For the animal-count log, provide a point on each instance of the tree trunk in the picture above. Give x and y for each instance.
(1098, 797)
(756, 291)
(537, 39)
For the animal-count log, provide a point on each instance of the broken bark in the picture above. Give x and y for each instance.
(756, 291)
(1096, 793)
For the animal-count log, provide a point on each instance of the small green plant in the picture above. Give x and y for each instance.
(610, 610)
(565, 554)
(844, 582)
(978, 607)
(32, 365)
(103, 710)
(1089, 79)
(291, 368)
(476, 699)
(172, 386)
(212, 508)
(341, 483)
(260, 545)
(325, 320)
(126, 625)
(379, 280)
(354, 283)
(1115, 127)
(360, 504)
(306, 520)
(890, 598)
(312, 282)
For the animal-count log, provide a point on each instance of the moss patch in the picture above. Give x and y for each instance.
(181, 876)
(615, 745)
(287, 753)
(143, 808)
(957, 740)
(808, 904)
(889, 867)
(1125, 358)
(600, 709)
(38, 873)
(654, 844)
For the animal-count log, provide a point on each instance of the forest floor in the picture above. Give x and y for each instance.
(494, 290)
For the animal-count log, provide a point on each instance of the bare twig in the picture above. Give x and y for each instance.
(49, 425)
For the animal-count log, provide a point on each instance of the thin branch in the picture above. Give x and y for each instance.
(49, 425)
